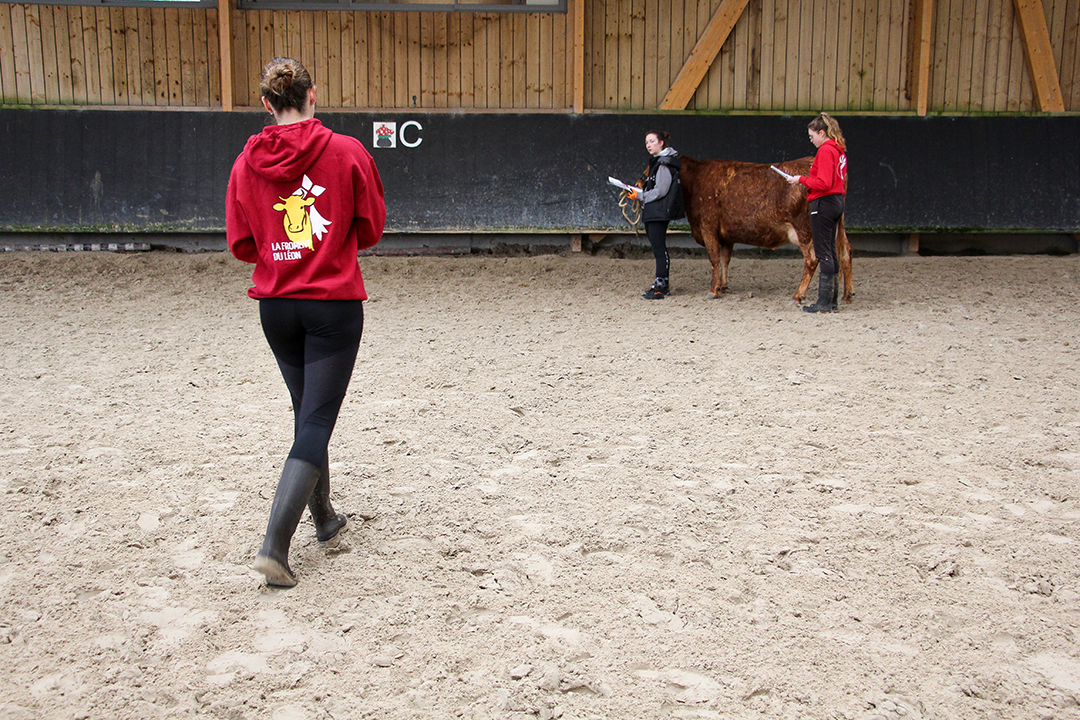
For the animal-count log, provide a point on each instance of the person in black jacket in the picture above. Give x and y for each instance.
(661, 202)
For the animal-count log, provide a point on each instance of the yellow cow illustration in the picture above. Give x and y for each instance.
(296, 220)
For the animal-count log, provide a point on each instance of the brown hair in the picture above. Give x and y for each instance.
(828, 123)
(285, 84)
(662, 135)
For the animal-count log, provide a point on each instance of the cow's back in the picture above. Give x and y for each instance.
(744, 202)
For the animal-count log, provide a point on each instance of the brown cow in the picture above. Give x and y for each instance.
(730, 202)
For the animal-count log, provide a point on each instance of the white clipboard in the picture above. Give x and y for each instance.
(784, 174)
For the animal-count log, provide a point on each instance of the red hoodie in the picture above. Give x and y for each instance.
(302, 200)
(828, 174)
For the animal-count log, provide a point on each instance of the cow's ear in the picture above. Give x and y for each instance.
(279, 206)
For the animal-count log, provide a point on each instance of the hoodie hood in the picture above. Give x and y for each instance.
(283, 153)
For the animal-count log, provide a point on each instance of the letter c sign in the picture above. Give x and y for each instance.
(409, 125)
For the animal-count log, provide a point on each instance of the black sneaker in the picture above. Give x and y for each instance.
(658, 291)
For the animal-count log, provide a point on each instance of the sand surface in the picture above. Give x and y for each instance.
(566, 502)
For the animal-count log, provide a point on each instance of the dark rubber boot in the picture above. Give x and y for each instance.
(327, 522)
(826, 291)
(298, 479)
(835, 291)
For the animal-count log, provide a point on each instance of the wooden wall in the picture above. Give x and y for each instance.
(783, 55)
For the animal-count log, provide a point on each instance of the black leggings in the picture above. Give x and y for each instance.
(315, 343)
(825, 213)
(657, 234)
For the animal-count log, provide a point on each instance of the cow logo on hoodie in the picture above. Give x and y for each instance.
(302, 220)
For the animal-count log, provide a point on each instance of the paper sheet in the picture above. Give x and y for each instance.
(620, 184)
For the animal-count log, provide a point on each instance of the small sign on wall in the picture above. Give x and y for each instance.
(387, 135)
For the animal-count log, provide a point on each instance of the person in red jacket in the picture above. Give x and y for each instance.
(301, 202)
(825, 188)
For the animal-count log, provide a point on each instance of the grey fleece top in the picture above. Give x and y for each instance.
(663, 180)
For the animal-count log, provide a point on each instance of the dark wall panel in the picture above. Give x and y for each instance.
(167, 171)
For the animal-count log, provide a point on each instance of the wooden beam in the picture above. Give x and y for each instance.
(920, 56)
(225, 44)
(704, 52)
(579, 55)
(1040, 55)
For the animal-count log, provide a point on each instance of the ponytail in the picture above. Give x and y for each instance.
(827, 123)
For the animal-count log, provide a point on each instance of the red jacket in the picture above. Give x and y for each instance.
(302, 201)
(828, 173)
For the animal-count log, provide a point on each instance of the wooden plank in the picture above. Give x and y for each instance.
(703, 54)
(144, 61)
(104, 51)
(843, 53)
(440, 76)
(1019, 80)
(564, 66)
(611, 54)
(7, 55)
(63, 53)
(792, 60)
(132, 58)
(21, 47)
(978, 65)
(966, 57)
(346, 47)
(400, 36)
(480, 24)
(91, 55)
(812, 55)
(462, 28)
(413, 88)
(328, 57)
(519, 35)
(1070, 58)
(626, 53)
(530, 39)
(505, 98)
(174, 59)
(920, 55)
(200, 59)
(77, 55)
(120, 36)
(658, 38)
(992, 74)
(575, 77)
(186, 37)
(213, 60)
(1039, 55)
(638, 54)
(1006, 27)
(892, 19)
(34, 55)
(380, 62)
(49, 54)
(309, 54)
(767, 55)
(455, 65)
(427, 75)
(547, 58)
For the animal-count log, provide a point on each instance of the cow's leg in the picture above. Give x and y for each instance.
(843, 255)
(725, 261)
(810, 263)
(712, 245)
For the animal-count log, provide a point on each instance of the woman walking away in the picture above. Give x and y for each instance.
(826, 185)
(301, 202)
(661, 202)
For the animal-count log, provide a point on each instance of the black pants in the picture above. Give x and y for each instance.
(825, 213)
(315, 343)
(657, 234)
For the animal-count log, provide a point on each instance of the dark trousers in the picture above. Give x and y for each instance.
(657, 234)
(315, 344)
(825, 214)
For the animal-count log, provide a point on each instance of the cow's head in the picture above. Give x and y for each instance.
(296, 220)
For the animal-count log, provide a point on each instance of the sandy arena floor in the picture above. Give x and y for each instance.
(566, 502)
